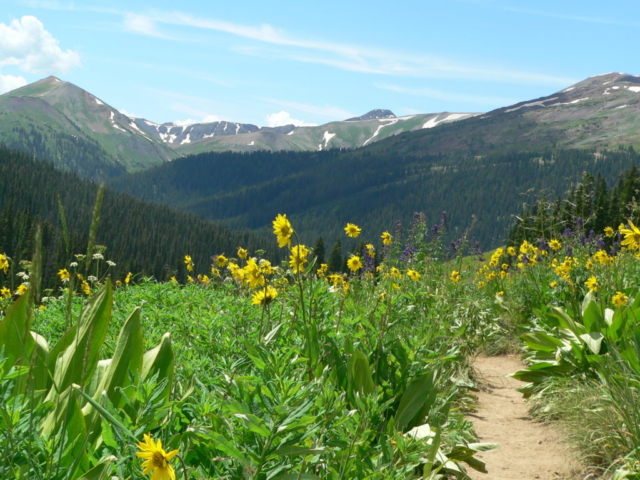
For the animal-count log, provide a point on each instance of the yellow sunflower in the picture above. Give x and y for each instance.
(156, 459)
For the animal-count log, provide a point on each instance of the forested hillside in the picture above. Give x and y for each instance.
(590, 206)
(140, 237)
(322, 191)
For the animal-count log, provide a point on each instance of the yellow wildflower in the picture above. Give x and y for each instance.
(5, 292)
(455, 276)
(253, 275)
(609, 232)
(128, 278)
(631, 236)
(511, 251)
(64, 274)
(413, 275)
(4, 263)
(553, 284)
(264, 296)
(555, 244)
(387, 239)
(156, 459)
(215, 272)
(242, 253)
(282, 230)
(371, 251)
(220, 261)
(619, 299)
(322, 271)
(354, 263)
(352, 230)
(592, 284)
(298, 258)
(189, 263)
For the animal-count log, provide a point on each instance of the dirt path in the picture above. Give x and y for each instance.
(529, 449)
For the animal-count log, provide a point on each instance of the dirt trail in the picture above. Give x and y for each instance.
(529, 449)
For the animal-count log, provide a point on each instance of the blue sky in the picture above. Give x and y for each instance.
(271, 63)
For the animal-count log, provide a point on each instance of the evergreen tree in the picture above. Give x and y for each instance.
(318, 251)
(335, 257)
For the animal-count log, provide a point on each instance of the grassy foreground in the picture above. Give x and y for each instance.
(254, 371)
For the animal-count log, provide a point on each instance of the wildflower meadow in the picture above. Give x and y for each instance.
(252, 370)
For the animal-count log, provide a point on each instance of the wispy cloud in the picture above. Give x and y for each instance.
(278, 43)
(455, 97)
(355, 58)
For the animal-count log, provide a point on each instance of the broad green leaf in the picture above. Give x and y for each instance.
(221, 443)
(593, 341)
(293, 450)
(413, 399)
(255, 424)
(100, 471)
(361, 374)
(159, 360)
(79, 360)
(541, 341)
(15, 339)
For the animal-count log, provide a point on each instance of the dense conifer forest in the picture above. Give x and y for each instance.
(140, 237)
(324, 190)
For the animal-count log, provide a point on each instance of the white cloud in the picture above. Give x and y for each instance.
(26, 44)
(10, 82)
(142, 24)
(191, 121)
(128, 114)
(284, 118)
(327, 111)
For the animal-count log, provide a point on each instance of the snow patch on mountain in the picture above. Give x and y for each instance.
(539, 103)
(380, 127)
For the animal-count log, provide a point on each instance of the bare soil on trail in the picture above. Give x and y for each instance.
(529, 449)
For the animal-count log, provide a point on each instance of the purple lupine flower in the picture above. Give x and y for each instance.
(567, 232)
(434, 230)
(543, 245)
(601, 243)
(583, 239)
(569, 251)
(443, 220)
(407, 253)
(579, 223)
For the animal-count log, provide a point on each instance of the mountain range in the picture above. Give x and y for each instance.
(51, 109)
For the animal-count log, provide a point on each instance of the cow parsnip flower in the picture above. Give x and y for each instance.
(156, 459)
(352, 230)
(282, 230)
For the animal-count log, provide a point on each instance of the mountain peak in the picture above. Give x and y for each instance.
(373, 114)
